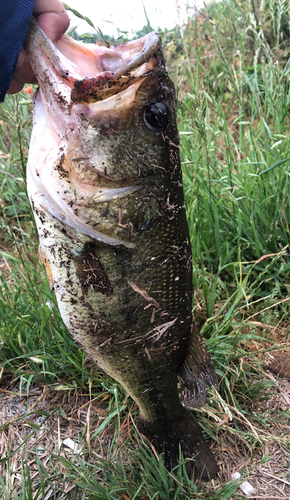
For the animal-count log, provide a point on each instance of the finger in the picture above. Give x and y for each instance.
(23, 71)
(52, 18)
(15, 86)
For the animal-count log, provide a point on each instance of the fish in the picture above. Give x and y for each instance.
(105, 185)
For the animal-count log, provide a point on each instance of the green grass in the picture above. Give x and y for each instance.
(234, 97)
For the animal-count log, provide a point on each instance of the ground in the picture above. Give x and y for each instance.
(42, 421)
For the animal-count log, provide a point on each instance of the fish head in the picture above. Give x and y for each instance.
(106, 116)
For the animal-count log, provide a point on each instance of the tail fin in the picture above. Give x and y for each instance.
(184, 432)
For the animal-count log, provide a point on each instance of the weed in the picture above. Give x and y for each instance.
(231, 71)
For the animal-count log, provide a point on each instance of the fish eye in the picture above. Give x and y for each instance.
(156, 116)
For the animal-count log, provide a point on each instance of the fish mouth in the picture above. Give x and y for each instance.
(87, 92)
(90, 73)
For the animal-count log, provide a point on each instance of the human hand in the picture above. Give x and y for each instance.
(53, 19)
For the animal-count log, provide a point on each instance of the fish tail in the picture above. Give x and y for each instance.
(183, 432)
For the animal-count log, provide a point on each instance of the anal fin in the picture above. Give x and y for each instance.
(197, 372)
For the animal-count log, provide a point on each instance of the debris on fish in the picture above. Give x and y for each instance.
(105, 185)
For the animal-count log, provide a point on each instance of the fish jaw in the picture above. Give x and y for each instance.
(86, 69)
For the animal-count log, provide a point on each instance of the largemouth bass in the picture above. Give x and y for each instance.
(105, 185)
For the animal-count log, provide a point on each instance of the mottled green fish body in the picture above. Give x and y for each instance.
(105, 184)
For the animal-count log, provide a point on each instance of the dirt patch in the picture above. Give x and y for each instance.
(279, 363)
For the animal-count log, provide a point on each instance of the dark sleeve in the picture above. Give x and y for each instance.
(14, 23)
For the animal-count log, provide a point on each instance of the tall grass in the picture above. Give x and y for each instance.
(232, 75)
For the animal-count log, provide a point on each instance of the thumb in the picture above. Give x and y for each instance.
(52, 18)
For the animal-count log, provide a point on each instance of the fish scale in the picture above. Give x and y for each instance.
(105, 186)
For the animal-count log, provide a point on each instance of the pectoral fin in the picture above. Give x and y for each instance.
(45, 262)
(108, 194)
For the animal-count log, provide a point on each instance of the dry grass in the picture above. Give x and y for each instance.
(34, 428)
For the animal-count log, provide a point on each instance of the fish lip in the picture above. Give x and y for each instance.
(134, 58)
(152, 43)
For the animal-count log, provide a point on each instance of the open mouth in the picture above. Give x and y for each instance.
(90, 72)
(88, 95)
